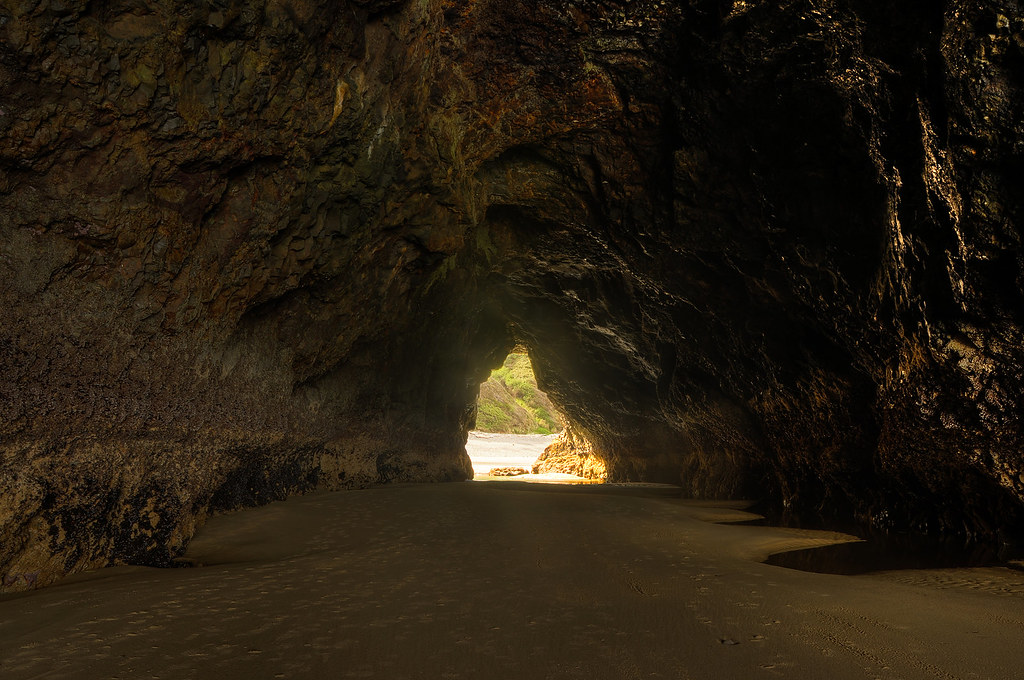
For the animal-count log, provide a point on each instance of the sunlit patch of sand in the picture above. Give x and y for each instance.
(492, 450)
(547, 478)
(488, 451)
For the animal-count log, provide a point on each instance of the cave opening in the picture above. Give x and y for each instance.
(519, 432)
(511, 401)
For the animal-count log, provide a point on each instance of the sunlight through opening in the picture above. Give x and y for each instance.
(518, 430)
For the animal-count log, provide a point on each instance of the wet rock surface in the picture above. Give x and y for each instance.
(250, 249)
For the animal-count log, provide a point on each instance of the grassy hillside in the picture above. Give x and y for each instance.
(510, 401)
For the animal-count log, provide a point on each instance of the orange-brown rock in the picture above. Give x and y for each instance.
(571, 454)
(508, 472)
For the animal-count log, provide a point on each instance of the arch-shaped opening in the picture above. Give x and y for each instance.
(519, 432)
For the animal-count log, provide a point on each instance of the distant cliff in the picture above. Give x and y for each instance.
(510, 401)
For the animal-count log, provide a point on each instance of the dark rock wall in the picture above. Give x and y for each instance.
(219, 224)
(796, 271)
(251, 248)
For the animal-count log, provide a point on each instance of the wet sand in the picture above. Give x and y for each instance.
(514, 581)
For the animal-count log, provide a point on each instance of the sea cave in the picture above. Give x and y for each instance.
(263, 250)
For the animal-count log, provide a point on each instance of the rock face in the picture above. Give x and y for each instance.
(767, 248)
(570, 454)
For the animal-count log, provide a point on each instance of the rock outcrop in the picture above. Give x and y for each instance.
(507, 472)
(767, 248)
(570, 454)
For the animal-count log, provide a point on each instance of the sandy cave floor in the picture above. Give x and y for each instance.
(509, 580)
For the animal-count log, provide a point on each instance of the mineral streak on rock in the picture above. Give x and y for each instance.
(253, 248)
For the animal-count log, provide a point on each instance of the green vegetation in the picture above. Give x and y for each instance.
(511, 402)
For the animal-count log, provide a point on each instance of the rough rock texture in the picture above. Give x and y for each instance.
(763, 247)
(507, 471)
(212, 293)
(571, 454)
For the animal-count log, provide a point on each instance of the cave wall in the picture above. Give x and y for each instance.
(253, 248)
(796, 271)
(213, 291)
